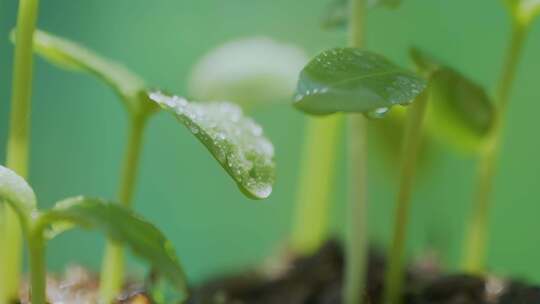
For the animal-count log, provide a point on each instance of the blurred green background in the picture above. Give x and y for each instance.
(79, 128)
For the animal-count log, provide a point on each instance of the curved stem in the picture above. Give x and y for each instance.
(316, 183)
(356, 230)
(413, 133)
(17, 147)
(131, 160)
(112, 271)
(476, 238)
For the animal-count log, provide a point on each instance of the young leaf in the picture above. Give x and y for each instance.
(70, 55)
(337, 12)
(459, 110)
(122, 225)
(15, 191)
(248, 71)
(524, 11)
(353, 80)
(235, 141)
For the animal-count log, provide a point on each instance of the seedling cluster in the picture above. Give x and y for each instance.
(237, 142)
(443, 101)
(350, 84)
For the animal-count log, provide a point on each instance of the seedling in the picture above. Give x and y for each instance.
(351, 80)
(117, 222)
(456, 110)
(523, 13)
(310, 227)
(17, 148)
(354, 81)
(235, 141)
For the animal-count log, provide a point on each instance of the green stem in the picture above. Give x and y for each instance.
(112, 271)
(356, 241)
(17, 147)
(476, 238)
(38, 275)
(356, 230)
(394, 273)
(356, 23)
(316, 184)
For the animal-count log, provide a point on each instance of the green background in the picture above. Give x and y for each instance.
(79, 128)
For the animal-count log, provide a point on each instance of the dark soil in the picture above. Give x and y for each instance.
(317, 280)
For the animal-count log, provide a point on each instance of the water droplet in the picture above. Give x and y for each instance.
(378, 113)
(263, 191)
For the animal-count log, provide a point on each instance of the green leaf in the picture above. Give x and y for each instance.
(15, 191)
(353, 80)
(124, 226)
(70, 55)
(250, 72)
(337, 12)
(524, 11)
(235, 141)
(459, 110)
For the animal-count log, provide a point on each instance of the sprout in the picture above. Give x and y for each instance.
(235, 141)
(350, 80)
(18, 142)
(118, 223)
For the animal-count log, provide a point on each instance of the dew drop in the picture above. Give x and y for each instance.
(378, 113)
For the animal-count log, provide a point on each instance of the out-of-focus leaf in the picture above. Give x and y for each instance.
(524, 11)
(353, 80)
(248, 71)
(70, 55)
(15, 191)
(236, 142)
(459, 110)
(337, 12)
(124, 226)
(388, 137)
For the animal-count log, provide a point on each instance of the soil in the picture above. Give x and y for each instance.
(314, 279)
(317, 280)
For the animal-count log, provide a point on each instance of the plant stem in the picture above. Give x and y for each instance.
(112, 271)
(476, 238)
(356, 230)
(356, 241)
(316, 184)
(356, 23)
(17, 147)
(38, 276)
(413, 133)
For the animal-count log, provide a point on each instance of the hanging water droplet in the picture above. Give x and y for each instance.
(378, 113)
